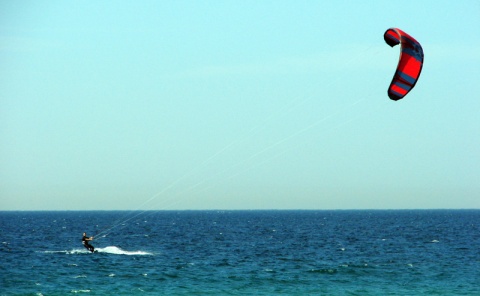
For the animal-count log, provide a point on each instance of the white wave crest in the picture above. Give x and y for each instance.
(108, 250)
(74, 251)
(118, 251)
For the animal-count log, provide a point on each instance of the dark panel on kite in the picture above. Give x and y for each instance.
(409, 65)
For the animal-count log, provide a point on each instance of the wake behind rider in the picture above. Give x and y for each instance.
(85, 241)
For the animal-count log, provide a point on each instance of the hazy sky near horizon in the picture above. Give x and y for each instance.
(115, 105)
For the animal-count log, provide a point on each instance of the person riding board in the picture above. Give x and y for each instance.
(85, 241)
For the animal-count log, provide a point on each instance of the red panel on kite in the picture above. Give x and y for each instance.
(409, 65)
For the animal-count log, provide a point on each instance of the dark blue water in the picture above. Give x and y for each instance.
(241, 253)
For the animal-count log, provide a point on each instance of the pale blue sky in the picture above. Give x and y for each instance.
(115, 105)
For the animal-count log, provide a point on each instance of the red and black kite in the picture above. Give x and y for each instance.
(409, 65)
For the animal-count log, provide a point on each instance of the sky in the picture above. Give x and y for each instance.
(172, 105)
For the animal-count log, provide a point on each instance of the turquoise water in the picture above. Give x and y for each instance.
(241, 253)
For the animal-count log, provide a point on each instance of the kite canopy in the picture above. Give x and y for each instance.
(409, 65)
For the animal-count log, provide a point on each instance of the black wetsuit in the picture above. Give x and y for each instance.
(87, 245)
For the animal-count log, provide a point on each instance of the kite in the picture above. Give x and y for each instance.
(409, 65)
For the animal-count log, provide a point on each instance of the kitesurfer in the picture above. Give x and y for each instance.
(85, 241)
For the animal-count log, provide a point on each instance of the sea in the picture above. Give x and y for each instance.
(275, 252)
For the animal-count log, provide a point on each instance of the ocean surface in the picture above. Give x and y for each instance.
(419, 252)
